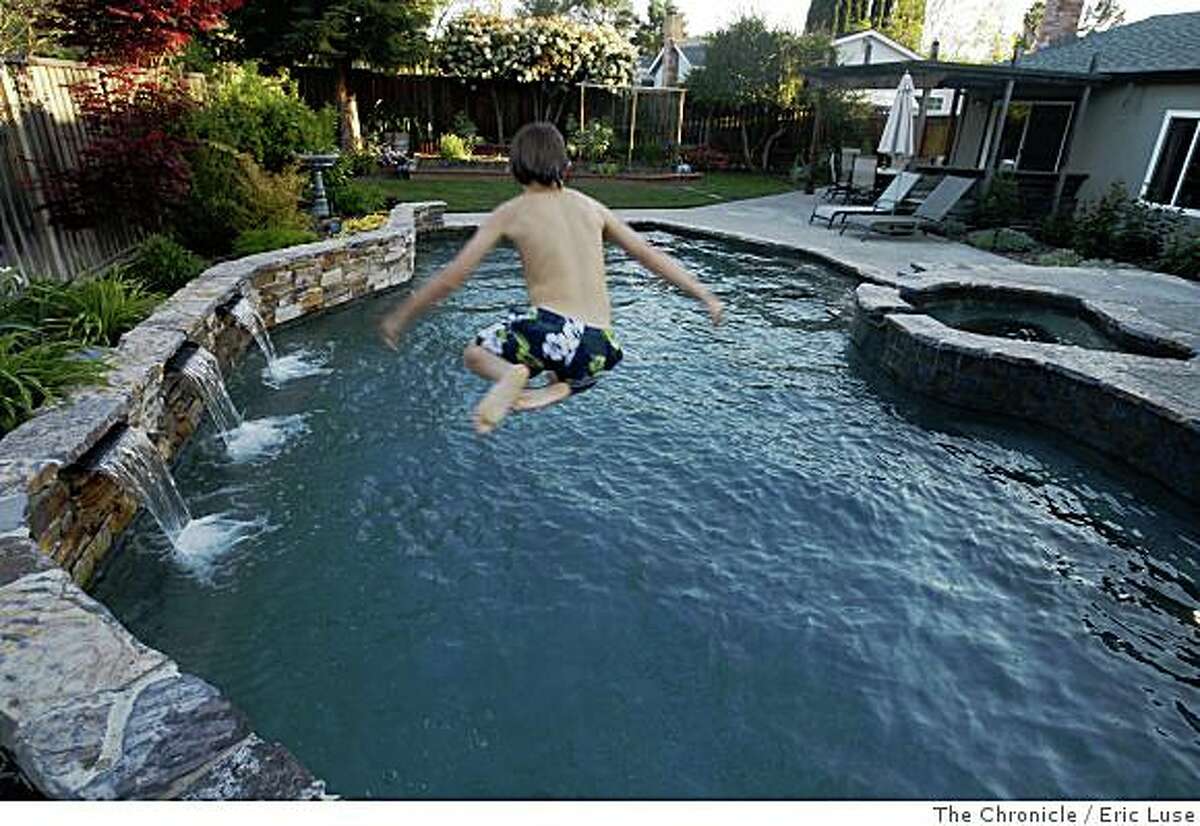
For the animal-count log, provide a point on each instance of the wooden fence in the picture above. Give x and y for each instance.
(427, 106)
(41, 134)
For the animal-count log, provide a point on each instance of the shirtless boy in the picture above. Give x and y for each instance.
(560, 235)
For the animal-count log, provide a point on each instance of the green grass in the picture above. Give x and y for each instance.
(483, 194)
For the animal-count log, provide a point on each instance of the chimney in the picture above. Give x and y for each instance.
(672, 32)
(1060, 23)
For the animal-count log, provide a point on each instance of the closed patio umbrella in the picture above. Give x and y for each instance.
(897, 137)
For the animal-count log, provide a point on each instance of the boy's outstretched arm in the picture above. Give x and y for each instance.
(660, 263)
(452, 276)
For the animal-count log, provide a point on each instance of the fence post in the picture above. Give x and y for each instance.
(13, 104)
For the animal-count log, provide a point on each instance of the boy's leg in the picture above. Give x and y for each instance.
(552, 393)
(510, 379)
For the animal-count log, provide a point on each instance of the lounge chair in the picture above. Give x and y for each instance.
(889, 201)
(931, 213)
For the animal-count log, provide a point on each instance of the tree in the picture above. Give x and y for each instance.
(1030, 24)
(136, 32)
(901, 20)
(752, 66)
(552, 52)
(648, 36)
(616, 13)
(23, 30)
(1101, 15)
(385, 34)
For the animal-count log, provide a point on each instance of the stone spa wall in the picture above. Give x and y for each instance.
(1132, 407)
(87, 710)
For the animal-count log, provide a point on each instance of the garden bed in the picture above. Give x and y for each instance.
(434, 173)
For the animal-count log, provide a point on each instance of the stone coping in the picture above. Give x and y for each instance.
(87, 710)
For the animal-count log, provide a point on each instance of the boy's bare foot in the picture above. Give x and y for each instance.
(542, 397)
(494, 406)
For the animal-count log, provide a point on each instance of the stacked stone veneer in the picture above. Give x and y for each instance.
(87, 710)
(1137, 409)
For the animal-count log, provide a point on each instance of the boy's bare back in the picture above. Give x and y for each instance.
(560, 235)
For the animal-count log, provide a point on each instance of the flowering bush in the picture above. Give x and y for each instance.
(552, 50)
(592, 142)
(454, 148)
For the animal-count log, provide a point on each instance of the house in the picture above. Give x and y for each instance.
(870, 46)
(1140, 127)
(688, 54)
(1074, 117)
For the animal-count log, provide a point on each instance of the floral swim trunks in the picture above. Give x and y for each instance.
(544, 340)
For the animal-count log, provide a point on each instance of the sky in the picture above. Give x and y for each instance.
(705, 15)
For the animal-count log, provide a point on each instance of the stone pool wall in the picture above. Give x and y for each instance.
(85, 708)
(1118, 403)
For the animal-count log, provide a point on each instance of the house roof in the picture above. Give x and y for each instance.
(882, 38)
(694, 50)
(1166, 43)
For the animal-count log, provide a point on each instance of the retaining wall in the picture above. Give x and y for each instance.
(87, 710)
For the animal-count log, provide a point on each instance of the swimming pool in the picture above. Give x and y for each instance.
(740, 567)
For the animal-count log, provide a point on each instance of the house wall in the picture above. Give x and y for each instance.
(854, 53)
(1117, 137)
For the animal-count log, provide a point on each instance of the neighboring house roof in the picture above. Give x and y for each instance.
(694, 50)
(1166, 43)
(882, 38)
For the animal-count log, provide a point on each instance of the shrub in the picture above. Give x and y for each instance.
(368, 223)
(1123, 228)
(651, 153)
(1000, 205)
(34, 372)
(263, 116)
(466, 129)
(1181, 253)
(356, 199)
(133, 168)
(1001, 240)
(454, 148)
(1057, 230)
(161, 264)
(1059, 258)
(231, 194)
(263, 240)
(705, 158)
(591, 143)
(89, 312)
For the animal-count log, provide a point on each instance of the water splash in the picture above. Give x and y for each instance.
(136, 465)
(297, 365)
(202, 369)
(204, 542)
(246, 315)
(259, 439)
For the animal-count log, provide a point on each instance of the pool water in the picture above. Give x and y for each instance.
(740, 567)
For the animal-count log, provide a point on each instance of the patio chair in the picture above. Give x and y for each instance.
(863, 178)
(839, 173)
(931, 213)
(888, 201)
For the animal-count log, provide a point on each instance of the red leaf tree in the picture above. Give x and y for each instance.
(134, 168)
(138, 32)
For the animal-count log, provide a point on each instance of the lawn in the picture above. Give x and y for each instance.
(483, 194)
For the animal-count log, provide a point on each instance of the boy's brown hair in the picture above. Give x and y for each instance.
(538, 153)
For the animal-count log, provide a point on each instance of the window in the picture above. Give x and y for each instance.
(1173, 178)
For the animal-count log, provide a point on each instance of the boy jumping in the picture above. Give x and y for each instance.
(560, 234)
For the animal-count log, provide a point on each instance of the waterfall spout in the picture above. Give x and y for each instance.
(202, 369)
(135, 464)
(249, 318)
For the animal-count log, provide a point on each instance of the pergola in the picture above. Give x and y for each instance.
(635, 90)
(989, 84)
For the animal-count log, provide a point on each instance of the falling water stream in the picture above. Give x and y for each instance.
(136, 465)
(279, 369)
(202, 369)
